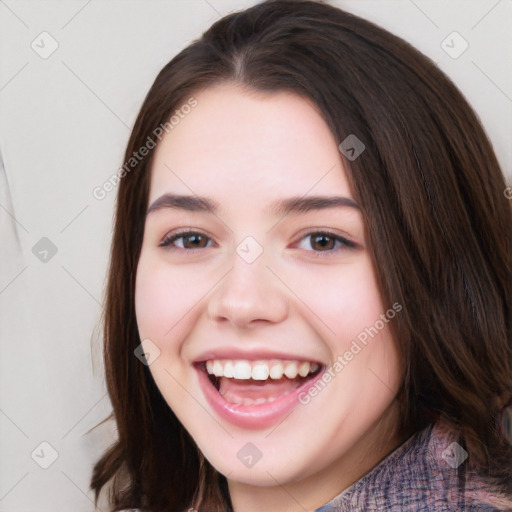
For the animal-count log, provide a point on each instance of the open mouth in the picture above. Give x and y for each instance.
(248, 383)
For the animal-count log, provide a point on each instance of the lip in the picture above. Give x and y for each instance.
(251, 355)
(258, 416)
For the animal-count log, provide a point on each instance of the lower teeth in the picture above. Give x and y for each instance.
(250, 401)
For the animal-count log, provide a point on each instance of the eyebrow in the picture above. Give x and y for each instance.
(281, 207)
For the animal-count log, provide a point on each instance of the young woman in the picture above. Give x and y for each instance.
(309, 297)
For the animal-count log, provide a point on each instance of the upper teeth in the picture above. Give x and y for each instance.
(259, 370)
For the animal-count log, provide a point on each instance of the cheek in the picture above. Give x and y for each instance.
(167, 298)
(346, 299)
(160, 299)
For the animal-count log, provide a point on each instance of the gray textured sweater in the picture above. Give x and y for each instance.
(426, 473)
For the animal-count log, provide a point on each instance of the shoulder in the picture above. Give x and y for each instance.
(426, 472)
(485, 508)
(447, 464)
(139, 510)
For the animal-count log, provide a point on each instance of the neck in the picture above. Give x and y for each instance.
(318, 489)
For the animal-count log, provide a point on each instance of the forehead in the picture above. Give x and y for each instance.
(235, 140)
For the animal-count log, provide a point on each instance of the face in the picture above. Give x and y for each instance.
(261, 303)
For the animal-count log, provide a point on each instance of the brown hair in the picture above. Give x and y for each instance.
(438, 223)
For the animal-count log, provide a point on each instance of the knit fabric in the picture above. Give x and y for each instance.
(426, 473)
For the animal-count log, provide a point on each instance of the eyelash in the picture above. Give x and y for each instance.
(344, 242)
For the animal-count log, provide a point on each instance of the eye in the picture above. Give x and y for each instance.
(190, 240)
(325, 242)
(319, 241)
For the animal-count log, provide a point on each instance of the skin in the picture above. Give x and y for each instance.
(275, 146)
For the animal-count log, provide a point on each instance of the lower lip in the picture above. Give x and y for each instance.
(258, 416)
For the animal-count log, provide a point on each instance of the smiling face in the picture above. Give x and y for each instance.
(254, 287)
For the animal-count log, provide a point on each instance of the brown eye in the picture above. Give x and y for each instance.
(193, 241)
(190, 240)
(322, 242)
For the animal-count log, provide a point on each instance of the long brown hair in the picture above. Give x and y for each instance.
(438, 223)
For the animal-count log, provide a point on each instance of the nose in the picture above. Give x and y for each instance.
(249, 294)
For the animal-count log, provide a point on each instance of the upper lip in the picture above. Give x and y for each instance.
(251, 355)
